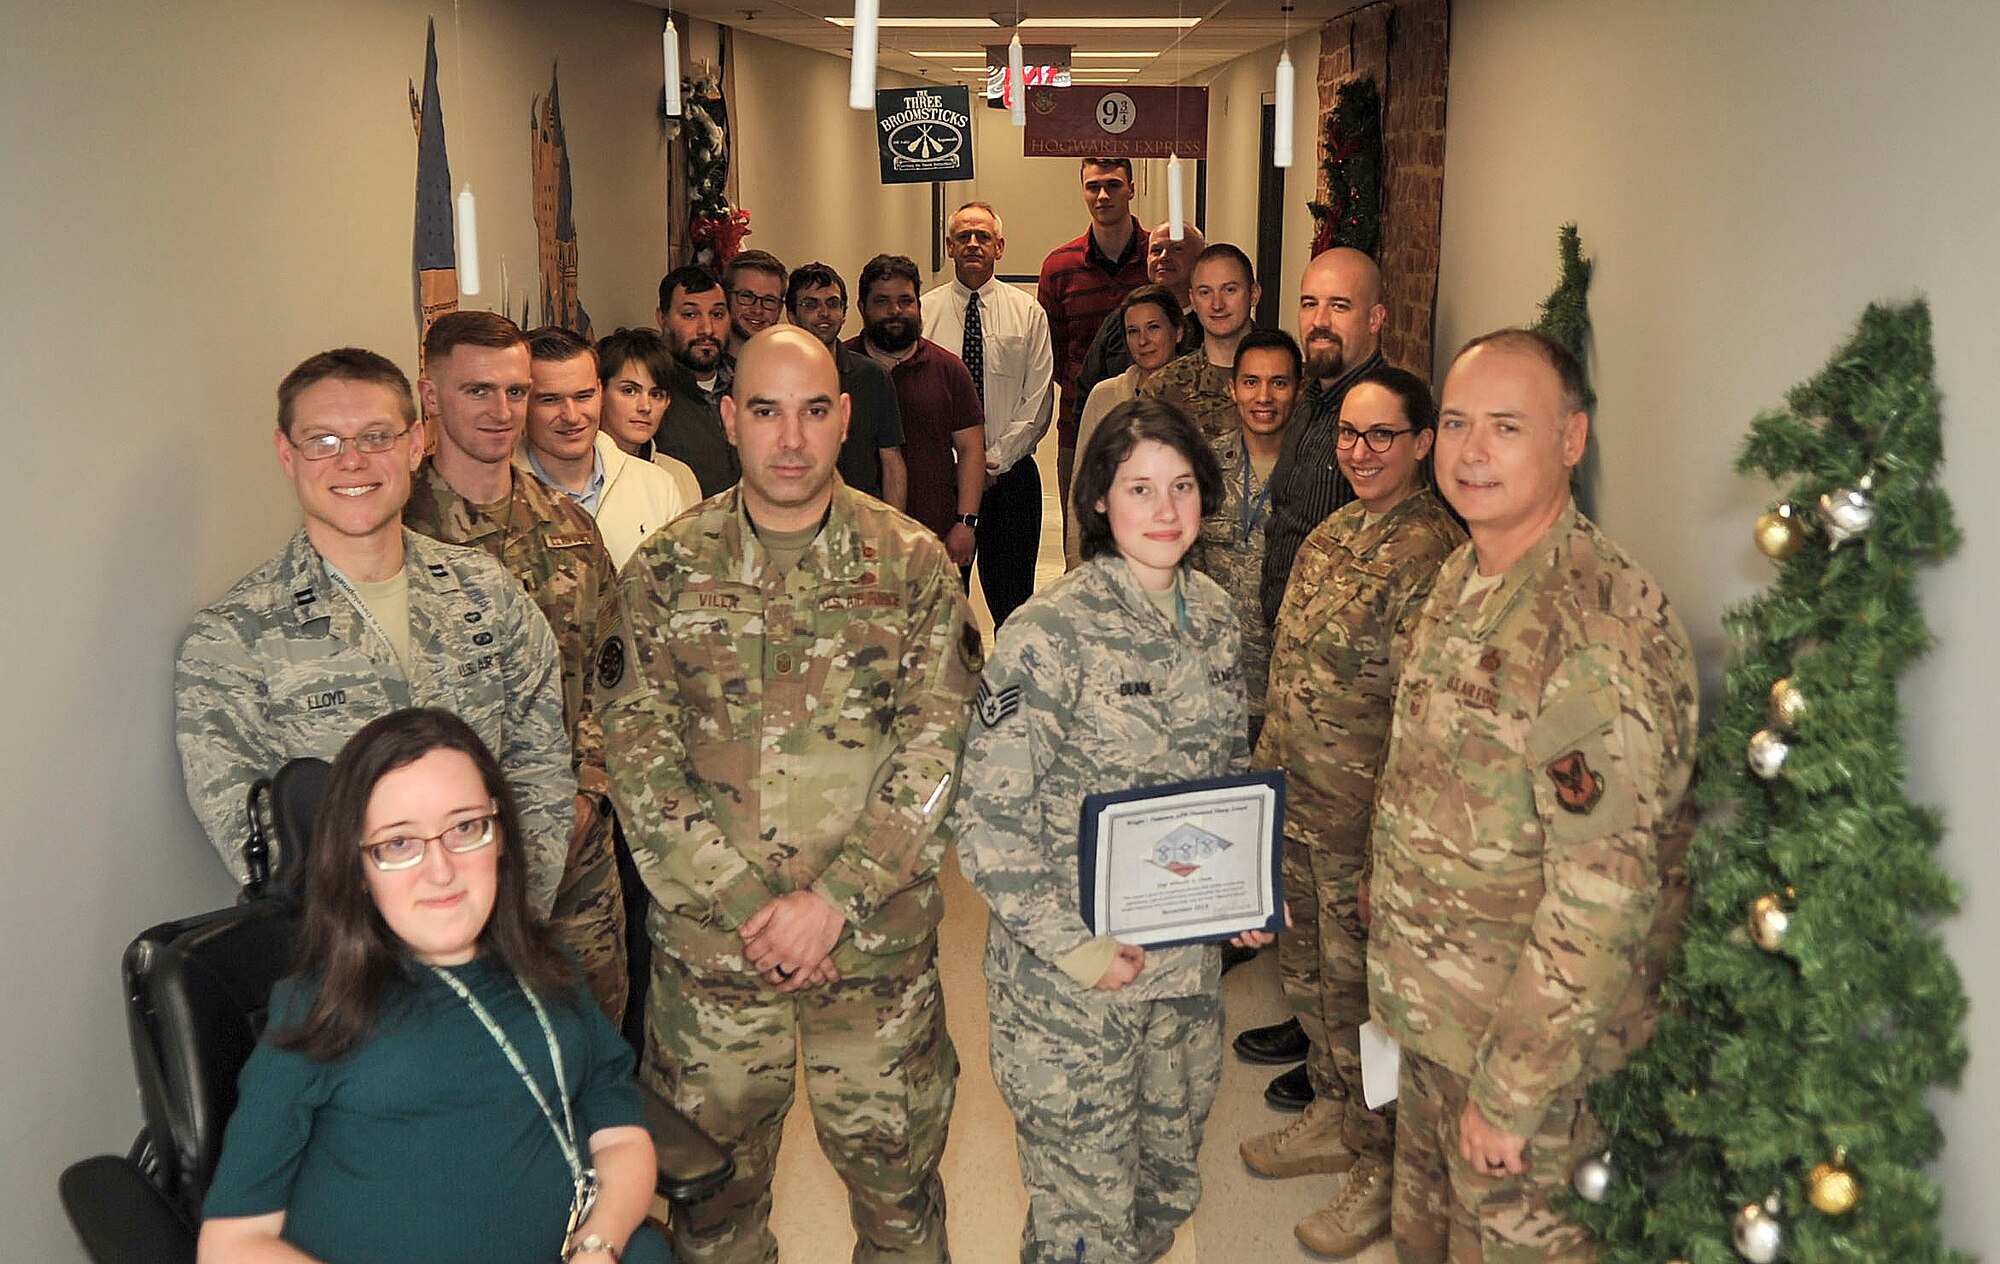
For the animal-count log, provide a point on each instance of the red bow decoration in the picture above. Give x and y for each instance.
(724, 232)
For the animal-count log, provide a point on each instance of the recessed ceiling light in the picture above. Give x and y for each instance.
(1075, 54)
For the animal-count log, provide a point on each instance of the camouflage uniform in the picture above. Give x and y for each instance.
(787, 731)
(1091, 688)
(1231, 552)
(548, 543)
(286, 665)
(1529, 832)
(1199, 389)
(1356, 590)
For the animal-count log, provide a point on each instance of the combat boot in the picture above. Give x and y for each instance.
(1357, 1216)
(1310, 1143)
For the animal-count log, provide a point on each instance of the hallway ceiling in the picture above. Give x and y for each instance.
(1116, 41)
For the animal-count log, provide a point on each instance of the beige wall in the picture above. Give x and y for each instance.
(1748, 177)
(198, 195)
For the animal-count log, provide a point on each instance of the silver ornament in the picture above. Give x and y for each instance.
(1758, 1233)
(1768, 752)
(1593, 1177)
(1846, 513)
(1769, 923)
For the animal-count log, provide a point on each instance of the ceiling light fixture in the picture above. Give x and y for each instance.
(974, 24)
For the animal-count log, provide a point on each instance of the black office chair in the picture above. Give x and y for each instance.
(196, 996)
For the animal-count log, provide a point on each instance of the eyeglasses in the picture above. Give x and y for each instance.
(762, 302)
(833, 304)
(407, 851)
(1378, 438)
(327, 446)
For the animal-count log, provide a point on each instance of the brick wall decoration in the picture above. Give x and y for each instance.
(1405, 45)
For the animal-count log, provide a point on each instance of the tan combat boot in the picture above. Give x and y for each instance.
(1357, 1216)
(1311, 1143)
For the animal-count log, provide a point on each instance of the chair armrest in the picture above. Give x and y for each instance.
(120, 1216)
(692, 1165)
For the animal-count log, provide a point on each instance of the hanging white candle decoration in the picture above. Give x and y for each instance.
(861, 84)
(1281, 140)
(1176, 230)
(1017, 80)
(671, 49)
(468, 243)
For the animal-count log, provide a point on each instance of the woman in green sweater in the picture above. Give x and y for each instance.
(435, 1084)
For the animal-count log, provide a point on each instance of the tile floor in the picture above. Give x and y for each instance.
(1241, 1218)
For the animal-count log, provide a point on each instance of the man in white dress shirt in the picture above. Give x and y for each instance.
(1002, 334)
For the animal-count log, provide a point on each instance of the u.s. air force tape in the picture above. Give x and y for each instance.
(993, 706)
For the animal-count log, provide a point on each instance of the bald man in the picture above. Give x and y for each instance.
(783, 759)
(1340, 331)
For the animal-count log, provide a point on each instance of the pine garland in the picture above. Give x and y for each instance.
(1565, 314)
(1351, 159)
(1814, 1052)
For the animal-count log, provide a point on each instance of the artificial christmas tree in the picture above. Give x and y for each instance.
(1778, 1112)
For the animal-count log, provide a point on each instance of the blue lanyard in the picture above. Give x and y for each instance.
(1254, 507)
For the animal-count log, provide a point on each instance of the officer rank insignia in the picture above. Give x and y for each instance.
(993, 706)
(1578, 787)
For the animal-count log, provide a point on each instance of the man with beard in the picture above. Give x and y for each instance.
(1225, 292)
(755, 282)
(1340, 325)
(694, 318)
(944, 427)
(871, 457)
(1169, 263)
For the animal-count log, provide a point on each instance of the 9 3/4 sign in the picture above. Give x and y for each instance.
(1129, 122)
(1116, 113)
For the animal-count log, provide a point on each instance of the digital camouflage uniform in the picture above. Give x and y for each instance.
(1199, 389)
(549, 543)
(1356, 590)
(1528, 886)
(1091, 688)
(1231, 552)
(786, 731)
(285, 665)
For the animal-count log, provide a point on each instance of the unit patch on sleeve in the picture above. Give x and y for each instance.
(1578, 787)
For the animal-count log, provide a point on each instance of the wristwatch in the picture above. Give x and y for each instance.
(589, 1243)
(970, 520)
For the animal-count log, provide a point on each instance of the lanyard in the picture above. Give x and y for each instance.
(566, 1138)
(1255, 506)
(353, 596)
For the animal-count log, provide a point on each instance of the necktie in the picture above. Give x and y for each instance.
(975, 346)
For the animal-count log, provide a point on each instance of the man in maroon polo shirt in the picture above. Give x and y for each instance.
(1082, 281)
(944, 427)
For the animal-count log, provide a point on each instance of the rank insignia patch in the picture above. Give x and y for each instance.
(994, 707)
(1578, 788)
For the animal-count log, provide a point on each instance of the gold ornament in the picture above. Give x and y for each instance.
(1780, 533)
(1768, 752)
(1769, 923)
(1788, 704)
(1832, 1188)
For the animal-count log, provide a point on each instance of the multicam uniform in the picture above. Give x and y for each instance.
(1092, 687)
(788, 731)
(548, 543)
(288, 665)
(1199, 389)
(1356, 590)
(1529, 832)
(1231, 552)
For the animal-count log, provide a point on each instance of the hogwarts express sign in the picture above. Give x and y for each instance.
(1121, 122)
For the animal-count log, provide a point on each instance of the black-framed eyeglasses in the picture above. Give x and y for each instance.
(327, 446)
(407, 851)
(1378, 438)
(762, 302)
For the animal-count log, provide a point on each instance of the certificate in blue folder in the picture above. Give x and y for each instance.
(1186, 863)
